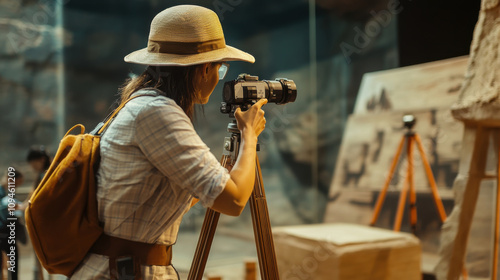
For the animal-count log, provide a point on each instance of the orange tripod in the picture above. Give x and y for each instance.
(410, 137)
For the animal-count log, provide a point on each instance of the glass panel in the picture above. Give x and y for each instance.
(324, 48)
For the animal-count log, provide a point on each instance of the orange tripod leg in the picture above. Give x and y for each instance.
(432, 181)
(413, 194)
(435, 194)
(383, 192)
(401, 206)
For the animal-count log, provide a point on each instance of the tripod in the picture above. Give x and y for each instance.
(260, 219)
(410, 137)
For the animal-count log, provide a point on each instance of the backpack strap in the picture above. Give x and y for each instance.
(99, 129)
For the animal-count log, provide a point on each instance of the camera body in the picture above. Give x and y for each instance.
(246, 90)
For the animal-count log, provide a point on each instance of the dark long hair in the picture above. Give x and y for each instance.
(36, 153)
(39, 152)
(176, 82)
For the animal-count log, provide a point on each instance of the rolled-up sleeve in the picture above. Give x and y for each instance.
(167, 138)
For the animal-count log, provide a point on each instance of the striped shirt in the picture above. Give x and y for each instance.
(152, 165)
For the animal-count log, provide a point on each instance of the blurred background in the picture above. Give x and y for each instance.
(61, 63)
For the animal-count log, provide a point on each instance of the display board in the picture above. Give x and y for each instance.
(374, 131)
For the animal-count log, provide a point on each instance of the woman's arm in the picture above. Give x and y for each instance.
(239, 187)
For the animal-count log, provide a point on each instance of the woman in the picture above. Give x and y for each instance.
(154, 166)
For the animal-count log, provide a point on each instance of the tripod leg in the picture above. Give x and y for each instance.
(432, 182)
(262, 229)
(435, 193)
(401, 206)
(413, 195)
(383, 192)
(205, 240)
(204, 244)
(497, 225)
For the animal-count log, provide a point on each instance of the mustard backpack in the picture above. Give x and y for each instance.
(61, 217)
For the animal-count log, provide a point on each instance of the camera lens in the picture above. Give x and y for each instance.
(274, 92)
(281, 91)
(289, 91)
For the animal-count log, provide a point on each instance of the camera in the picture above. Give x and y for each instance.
(409, 121)
(246, 90)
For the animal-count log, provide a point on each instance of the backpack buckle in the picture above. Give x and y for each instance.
(95, 131)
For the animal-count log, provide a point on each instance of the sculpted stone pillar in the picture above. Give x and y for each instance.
(478, 107)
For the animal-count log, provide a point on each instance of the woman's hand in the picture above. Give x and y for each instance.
(238, 189)
(251, 122)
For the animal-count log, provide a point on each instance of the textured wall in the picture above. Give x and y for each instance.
(479, 100)
(30, 78)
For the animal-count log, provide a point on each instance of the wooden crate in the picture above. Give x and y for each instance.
(346, 252)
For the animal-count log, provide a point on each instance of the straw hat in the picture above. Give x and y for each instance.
(186, 35)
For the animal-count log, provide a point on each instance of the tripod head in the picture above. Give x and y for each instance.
(232, 127)
(232, 143)
(409, 121)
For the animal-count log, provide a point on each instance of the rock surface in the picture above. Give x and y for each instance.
(478, 105)
(479, 99)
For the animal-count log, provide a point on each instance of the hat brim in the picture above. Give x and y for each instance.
(228, 53)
